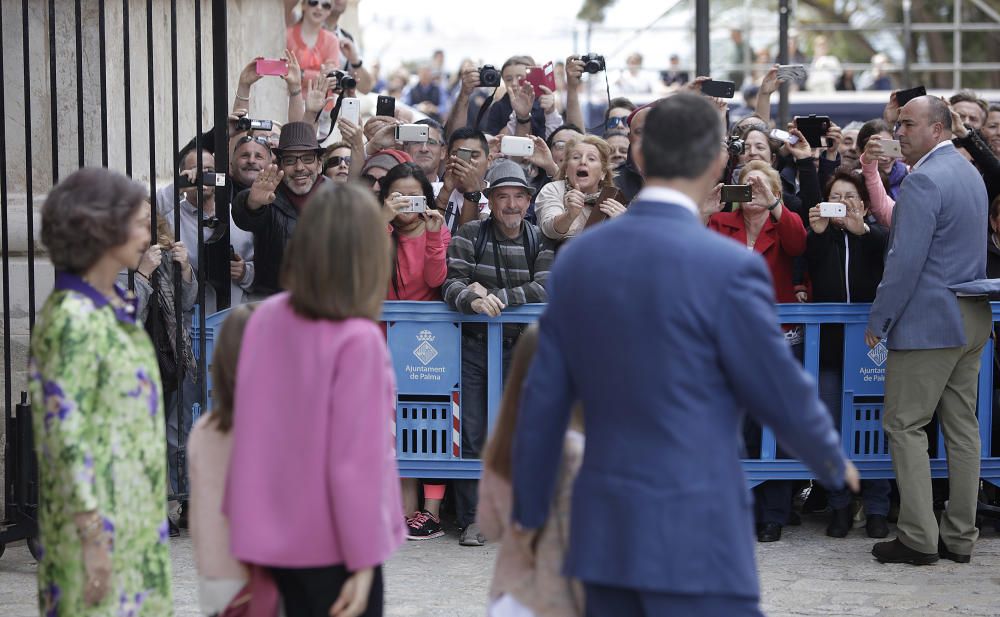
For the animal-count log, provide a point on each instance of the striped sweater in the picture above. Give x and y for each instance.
(517, 286)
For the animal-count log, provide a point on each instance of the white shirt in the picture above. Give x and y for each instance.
(941, 144)
(673, 196)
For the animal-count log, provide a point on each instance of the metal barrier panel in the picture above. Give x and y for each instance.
(427, 423)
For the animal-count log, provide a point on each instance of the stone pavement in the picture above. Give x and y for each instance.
(804, 574)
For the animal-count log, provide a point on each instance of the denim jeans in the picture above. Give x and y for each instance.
(178, 429)
(475, 423)
(874, 493)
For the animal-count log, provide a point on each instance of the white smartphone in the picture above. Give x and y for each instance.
(411, 133)
(516, 146)
(350, 109)
(784, 136)
(891, 148)
(829, 210)
(418, 203)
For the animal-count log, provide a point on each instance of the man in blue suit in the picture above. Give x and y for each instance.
(934, 336)
(668, 334)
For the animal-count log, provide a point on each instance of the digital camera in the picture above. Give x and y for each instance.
(735, 145)
(489, 76)
(593, 63)
(248, 124)
(345, 81)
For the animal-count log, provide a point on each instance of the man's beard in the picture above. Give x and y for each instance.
(289, 184)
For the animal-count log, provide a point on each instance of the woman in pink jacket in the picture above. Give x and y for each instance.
(312, 492)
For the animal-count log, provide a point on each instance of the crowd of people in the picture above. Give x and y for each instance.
(329, 217)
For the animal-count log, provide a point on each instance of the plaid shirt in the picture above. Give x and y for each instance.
(517, 286)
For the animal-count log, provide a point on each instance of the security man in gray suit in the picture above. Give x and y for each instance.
(935, 336)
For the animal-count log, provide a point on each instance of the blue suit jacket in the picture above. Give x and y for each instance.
(668, 333)
(938, 240)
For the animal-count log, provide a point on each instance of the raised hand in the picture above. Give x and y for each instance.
(262, 189)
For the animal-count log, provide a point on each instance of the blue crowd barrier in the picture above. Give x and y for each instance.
(424, 339)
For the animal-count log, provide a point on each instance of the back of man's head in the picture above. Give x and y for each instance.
(682, 138)
(938, 112)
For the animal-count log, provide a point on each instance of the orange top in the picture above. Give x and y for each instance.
(311, 59)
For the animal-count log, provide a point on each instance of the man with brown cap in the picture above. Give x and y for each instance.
(271, 206)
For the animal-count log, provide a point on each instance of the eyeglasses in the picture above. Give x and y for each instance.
(846, 196)
(335, 161)
(559, 145)
(290, 159)
(325, 5)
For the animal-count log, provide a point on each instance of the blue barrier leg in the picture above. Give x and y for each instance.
(985, 404)
(494, 371)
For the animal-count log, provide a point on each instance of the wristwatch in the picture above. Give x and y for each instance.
(358, 65)
(775, 204)
(523, 121)
(473, 196)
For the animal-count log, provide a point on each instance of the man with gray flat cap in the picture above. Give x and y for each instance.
(271, 206)
(494, 263)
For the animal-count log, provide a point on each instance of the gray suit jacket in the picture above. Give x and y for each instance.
(937, 241)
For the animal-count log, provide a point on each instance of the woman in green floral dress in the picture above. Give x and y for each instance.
(98, 417)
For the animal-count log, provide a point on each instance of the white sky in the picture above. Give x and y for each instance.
(393, 30)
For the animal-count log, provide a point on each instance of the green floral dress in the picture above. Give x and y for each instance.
(99, 434)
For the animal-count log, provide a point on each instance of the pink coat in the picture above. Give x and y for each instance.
(312, 478)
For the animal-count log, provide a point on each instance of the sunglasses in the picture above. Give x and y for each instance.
(336, 161)
(369, 180)
(290, 159)
(616, 122)
(325, 5)
(264, 141)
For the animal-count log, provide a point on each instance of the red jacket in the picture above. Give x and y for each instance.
(778, 242)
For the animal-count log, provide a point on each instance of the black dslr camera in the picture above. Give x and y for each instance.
(735, 145)
(593, 63)
(345, 81)
(489, 76)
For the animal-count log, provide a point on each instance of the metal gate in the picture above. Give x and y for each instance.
(92, 83)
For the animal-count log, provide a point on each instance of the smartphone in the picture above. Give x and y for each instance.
(813, 128)
(412, 133)
(516, 146)
(465, 154)
(350, 109)
(829, 210)
(418, 203)
(611, 192)
(739, 193)
(267, 66)
(386, 106)
(891, 148)
(784, 136)
(792, 72)
(232, 253)
(207, 179)
(905, 96)
(539, 76)
(719, 89)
